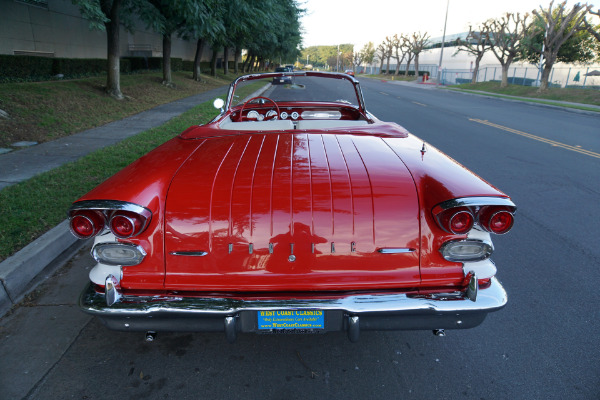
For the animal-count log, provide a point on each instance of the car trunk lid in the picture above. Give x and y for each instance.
(292, 212)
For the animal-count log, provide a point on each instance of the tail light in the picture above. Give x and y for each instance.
(496, 220)
(492, 214)
(88, 218)
(126, 224)
(86, 224)
(457, 220)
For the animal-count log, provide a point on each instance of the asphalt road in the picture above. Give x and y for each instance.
(543, 345)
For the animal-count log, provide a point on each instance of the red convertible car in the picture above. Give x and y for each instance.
(294, 211)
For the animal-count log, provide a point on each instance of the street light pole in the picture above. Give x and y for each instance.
(443, 42)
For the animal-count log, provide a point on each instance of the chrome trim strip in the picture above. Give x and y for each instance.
(397, 250)
(489, 299)
(189, 253)
(104, 205)
(476, 201)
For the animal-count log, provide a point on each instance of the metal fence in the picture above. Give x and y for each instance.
(587, 77)
(431, 69)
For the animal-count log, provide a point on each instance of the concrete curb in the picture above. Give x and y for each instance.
(18, 272)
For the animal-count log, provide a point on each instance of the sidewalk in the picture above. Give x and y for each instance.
(21, 165)
(18, 272)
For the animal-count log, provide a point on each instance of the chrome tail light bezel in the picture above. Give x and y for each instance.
(108, 209)
(481, 208)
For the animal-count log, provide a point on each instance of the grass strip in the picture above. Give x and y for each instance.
(527, 100)
(551, 96)
(45, 111)
(31, 208)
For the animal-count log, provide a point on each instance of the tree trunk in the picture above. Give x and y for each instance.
(166, 62)
(545, 77)
(236, 55)
(381, 66)
(213, 61)
(226, 60)
(399, 60)
(198, 59)
(250, 61)
(417, 67)
(476, 70)
(113, 52)
(504, 82)
(387, 66)
(407, 67)
(245, 63)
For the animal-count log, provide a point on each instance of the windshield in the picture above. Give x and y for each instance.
(297, 87)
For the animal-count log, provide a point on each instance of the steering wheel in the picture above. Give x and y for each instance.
(256, 98)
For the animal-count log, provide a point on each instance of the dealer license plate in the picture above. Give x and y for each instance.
(291, 319)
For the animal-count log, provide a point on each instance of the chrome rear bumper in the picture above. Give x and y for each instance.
(351, 313)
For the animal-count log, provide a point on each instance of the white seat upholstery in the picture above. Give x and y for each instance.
(328, 123)
(273, 125)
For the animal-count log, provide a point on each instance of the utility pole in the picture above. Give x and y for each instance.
(443, 42)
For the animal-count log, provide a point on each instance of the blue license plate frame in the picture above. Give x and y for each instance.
(309, 320)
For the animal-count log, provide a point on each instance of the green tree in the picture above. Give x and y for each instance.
(559, 35)
(368, 53)
(168, 18)
(107, 15)
(274, 32)
(207, 24)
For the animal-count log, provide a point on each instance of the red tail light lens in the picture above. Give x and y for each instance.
(501, 222)
(461, 222)
(124, 225)
(85, 225)
(457, 220)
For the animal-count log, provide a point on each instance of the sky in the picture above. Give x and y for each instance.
(331, 22)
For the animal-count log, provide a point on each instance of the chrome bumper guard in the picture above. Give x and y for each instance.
(351, 313)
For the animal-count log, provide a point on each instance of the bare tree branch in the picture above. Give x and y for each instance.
(505, 36)
(593, 31)
(477, 44)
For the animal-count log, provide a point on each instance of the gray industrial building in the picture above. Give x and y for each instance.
(56, 28)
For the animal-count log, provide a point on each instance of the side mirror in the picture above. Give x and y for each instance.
(219, 103)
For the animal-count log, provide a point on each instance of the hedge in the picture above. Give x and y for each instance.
(204, 66)
(33, 68)
(410, 73)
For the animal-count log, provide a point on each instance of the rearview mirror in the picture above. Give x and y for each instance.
(219, 103)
